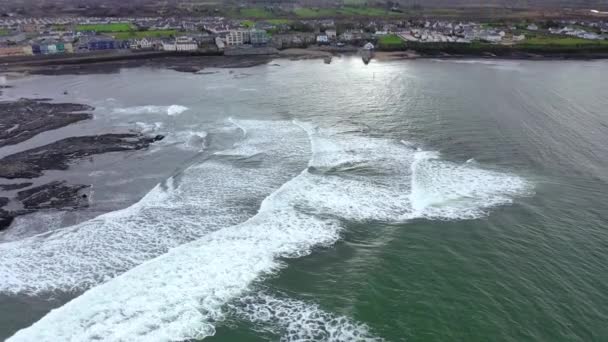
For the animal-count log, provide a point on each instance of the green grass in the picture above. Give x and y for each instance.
(105, 27)
(248, 23)
(304, 12)
(355, 2)
(145, 34)
(254, 12)
(561, 41)
(279, 21)
(365, 11)
(347, 11)
(4, 32)
(390, 41)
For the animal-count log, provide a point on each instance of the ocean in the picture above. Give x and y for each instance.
(422, 200)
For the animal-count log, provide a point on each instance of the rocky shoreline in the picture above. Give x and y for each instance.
(24, 119)
(197, 62)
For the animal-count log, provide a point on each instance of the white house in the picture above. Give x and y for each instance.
(237, 37)
(181, 44)
(532, 27)
(519, 38)
(331, 34)
(185, 44)
(322, 39)
(220, 43)
(142, 44)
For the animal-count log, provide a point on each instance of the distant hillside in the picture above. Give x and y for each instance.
(509, 3)
(206, 7)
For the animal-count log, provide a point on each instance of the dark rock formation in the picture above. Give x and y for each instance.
(54, 195)
(25, 118)
(58, 155)
(5, 217)
(16, 186)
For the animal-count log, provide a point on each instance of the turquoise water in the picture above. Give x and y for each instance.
(418, 201)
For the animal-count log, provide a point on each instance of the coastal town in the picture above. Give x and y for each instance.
(27, 36)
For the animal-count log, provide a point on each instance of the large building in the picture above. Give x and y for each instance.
(181, 44)
(259, 37)
(12, 51)
(238, 37)
(102, 44)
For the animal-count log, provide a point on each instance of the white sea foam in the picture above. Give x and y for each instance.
(208, 196)
(296, 320)
(148, 128)
(182, 294)
(171, 110)
(446, 190)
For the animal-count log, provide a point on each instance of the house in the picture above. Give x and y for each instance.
(101, 44)
(219, 43)
(29, 28)
(36, 49)
(259, 37)
(331, 34)
(180, 44)
(11, 51)
(143, 43)
(491, 38)
(532, 27)
(238, 37)
(322, 39)
(186, 44)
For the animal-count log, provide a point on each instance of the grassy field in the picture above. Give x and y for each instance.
(4, 32)
(105, 27)
(279, 21)
(248, 23)
(355, 2)
(145, 34)
(347, 11)
(390, 42)
(560, 41)
(254, 12)
(305, 12)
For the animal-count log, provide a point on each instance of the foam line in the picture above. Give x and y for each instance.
(171, 110)
(295, 320)
(182, 294)
(172, 214)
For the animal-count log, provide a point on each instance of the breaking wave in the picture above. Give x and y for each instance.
(203, 198)
(171, 110)
(350, 177)
(295, 320)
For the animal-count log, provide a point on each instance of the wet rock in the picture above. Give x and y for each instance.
(26, 118)
(58, 155)
(6, 218)
(16, 186)
(54, 195)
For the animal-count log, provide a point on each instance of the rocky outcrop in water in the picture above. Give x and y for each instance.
(5, 217)
(16, 186)
(26, 118)
(54, 195)
(58, 155)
